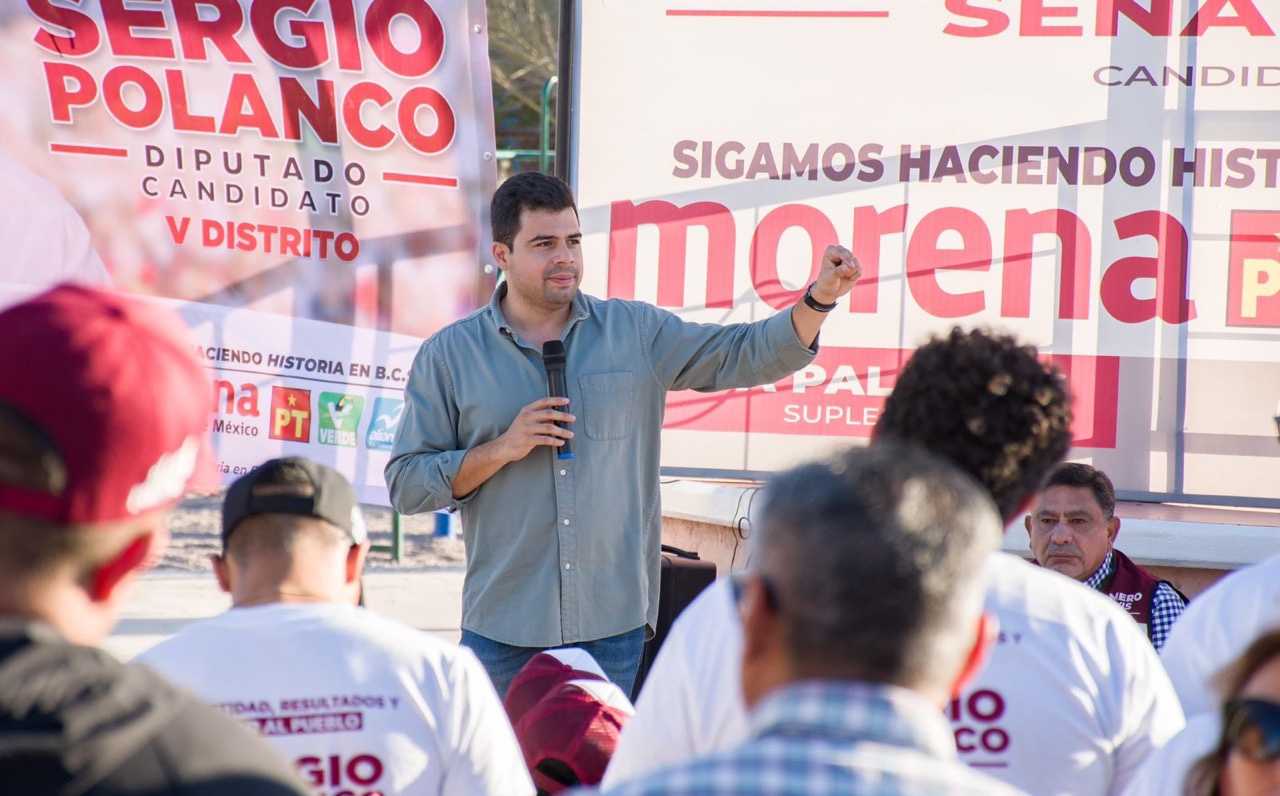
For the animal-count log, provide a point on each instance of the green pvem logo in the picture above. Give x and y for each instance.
(339, 417)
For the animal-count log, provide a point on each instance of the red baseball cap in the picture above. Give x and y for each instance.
(570, 735)
(543, 674)
(113, 385)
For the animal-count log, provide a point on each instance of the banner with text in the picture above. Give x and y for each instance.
(303, 179)
(1099, 178)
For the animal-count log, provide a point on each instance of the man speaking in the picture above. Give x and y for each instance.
(564, 550)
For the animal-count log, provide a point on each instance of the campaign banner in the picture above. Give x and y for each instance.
(1098, 178)
(316, 396)
(303, 179)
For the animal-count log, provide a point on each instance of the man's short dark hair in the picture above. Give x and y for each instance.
(874, 561)
(530, 190)
(988, 404)
(35, 547)
(29, 458)
(1083, 475)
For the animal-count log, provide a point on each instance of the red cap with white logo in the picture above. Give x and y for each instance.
(570, 735)
(111, 388)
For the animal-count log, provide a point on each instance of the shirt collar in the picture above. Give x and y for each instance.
(581, 309)
(853, 710)
(35, 631)
(1096, 580)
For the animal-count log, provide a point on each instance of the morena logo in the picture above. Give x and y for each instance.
(228, 399)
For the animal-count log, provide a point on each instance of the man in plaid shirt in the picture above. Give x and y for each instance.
(1073, 531)
(861, 617)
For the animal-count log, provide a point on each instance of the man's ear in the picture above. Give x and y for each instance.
(759, 620)
(221, 571)
(1113, 529)
(354, 573)
(500, 254)
(356, 555)
(764, 664)
(984, 637)
(107, 578)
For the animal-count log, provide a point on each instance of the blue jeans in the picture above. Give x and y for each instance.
(619, 657)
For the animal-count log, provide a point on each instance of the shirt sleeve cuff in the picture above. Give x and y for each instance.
(783, 339)
(440, 477)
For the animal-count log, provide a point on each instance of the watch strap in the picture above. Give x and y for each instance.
(814, 304)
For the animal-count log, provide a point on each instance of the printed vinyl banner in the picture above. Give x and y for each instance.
(303, 179)
(1098, 177)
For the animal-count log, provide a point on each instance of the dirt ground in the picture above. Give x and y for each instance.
(195, 526)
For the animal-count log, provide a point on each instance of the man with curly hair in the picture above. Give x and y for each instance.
(1073, 698)
(987, 403)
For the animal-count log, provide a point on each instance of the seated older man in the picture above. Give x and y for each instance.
(1073, 531)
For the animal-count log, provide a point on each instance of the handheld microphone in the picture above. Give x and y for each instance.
(553, 359)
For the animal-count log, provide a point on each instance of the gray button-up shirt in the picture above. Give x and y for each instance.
(566, 550)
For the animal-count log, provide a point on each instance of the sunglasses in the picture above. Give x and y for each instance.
(1252, 728)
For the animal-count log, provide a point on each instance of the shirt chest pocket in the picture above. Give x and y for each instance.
(607, 404)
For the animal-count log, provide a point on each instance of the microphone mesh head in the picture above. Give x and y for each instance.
(553, 353)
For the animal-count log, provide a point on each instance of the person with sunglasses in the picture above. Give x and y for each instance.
(1234, 751)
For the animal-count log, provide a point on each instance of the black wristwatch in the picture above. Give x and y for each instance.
(814, 304)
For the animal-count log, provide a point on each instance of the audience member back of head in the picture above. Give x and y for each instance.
(861, 617)
(97, 440)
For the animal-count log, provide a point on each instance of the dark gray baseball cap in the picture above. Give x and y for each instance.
(274, 488)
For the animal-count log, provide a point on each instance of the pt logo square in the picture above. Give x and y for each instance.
(382, 428)
(339, 416)
(290, 414)
(1253, 275)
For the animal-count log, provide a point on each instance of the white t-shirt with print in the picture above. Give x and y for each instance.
(1219, 625)
(691, 702)
(1072, 700)
(359, 702)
